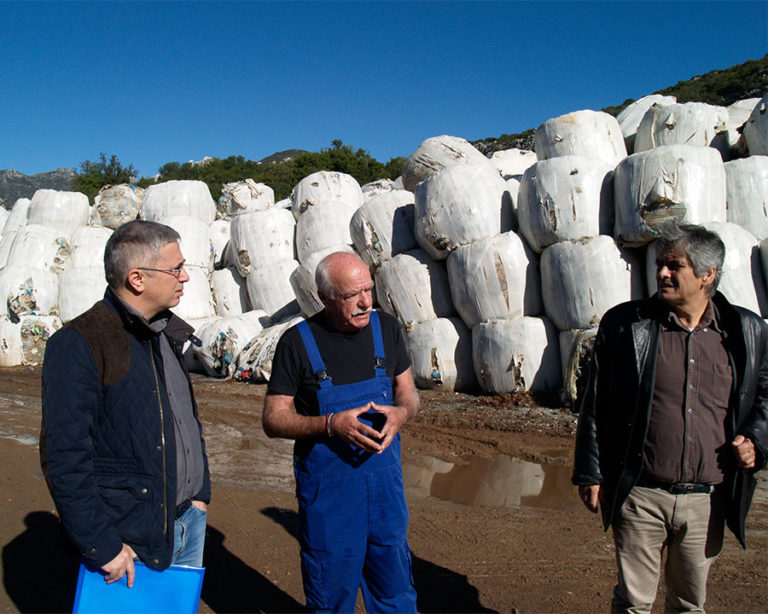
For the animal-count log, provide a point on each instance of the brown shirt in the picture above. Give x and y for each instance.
(686, 436)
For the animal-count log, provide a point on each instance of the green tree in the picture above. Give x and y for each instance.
(95, 175)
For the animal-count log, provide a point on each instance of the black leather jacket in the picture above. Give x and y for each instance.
(613, 422)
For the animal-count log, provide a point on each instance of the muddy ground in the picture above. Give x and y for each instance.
(495, 524)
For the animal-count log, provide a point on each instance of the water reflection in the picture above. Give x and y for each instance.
(502, 481)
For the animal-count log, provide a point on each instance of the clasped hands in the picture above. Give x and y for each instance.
(346, 426)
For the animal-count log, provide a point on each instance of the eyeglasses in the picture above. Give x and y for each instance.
(175, 272)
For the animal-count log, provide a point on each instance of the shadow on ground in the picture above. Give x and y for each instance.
(439, 589)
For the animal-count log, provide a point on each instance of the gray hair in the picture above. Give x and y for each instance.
(132, 245)
(704, 248)
(323, 279)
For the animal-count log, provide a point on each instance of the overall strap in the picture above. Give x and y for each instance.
(378, 344)
(315, 360)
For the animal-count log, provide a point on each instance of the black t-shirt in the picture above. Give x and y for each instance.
(348, 358)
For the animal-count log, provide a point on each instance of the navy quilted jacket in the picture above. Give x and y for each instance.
(107, 440)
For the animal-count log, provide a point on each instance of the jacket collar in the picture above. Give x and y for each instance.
(176, 328)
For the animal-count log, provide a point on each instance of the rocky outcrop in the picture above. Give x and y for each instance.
(15, 185)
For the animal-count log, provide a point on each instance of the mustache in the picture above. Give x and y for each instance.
(361, 312)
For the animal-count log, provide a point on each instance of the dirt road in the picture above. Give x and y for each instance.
(495, 524)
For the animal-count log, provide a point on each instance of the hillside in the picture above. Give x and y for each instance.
(717, 87)
(15, 185)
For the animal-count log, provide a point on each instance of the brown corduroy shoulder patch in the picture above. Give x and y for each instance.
(109, 341)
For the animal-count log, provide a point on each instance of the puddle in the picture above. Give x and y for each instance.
(502, 481)
(20, 418)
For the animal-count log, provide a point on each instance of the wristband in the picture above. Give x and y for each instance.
(329, 424)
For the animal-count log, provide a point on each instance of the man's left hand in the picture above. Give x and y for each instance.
(396, 417)
(200, 505)
(744, 450)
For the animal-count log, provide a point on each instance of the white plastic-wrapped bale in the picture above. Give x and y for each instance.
(413, 288)
(670, 182)
(324, 186)
(191, 360)
(566, 198)
(756, 129)
(195, 241)
(258, 238)
(223, 339)
(118, 204)
(459, 205)
(230, 293)
(269, 289)
(383, 227)
(576, 348)
(40, 247)
(516, 355)
(590, 134)
(375, 188)
(18, 216)
(513, 162)
(63, 211)
(739, 113)
(197, 301)
(305, 290)
(94, 219)
(6, 241)
(10, 342)
(87, 247)
(690, 123)
(325, 224)
(513, 189)
(25, 290)
(743, 282)
(246, 195)
(4, 215)
(494, 278)
(79, 289)
(436, 154)
(581, 280)
(179, 197)
(35, 330)
(255, 361)
(746, 187)
(316, 258)
(286, 203)
(218, 233)
(441, 354)
(629, 117)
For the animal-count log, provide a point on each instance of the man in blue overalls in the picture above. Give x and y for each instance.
(347, 372)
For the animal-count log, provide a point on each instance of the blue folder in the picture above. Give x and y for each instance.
(173, 591)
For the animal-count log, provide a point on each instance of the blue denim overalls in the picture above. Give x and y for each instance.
(351, 503)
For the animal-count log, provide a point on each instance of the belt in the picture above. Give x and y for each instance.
(684, 488)
(182, 508)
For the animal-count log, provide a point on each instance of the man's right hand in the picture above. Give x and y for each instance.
(121, 565)
(346, 426)
(590, 496)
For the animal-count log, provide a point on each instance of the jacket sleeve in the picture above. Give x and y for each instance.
(755, 427)
(586, 464)
(71, 396)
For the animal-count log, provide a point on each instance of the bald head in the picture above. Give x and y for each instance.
(335, 265)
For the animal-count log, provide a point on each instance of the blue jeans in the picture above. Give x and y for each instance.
(189, 538)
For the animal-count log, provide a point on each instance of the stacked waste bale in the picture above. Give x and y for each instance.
(565, 210)
(323, 204)
(83, 282)
(118, 204)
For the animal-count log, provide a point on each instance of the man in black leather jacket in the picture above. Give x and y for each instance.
(674, 423)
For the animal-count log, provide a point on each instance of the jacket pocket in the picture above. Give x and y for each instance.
(127, 499)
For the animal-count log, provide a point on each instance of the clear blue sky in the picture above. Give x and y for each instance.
(157, 82)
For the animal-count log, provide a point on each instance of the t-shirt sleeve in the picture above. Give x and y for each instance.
(286, 370)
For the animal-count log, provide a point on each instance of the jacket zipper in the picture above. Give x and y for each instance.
(162, 439)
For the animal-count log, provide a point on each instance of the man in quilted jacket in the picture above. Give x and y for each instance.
(121, 443)
(674, 424)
